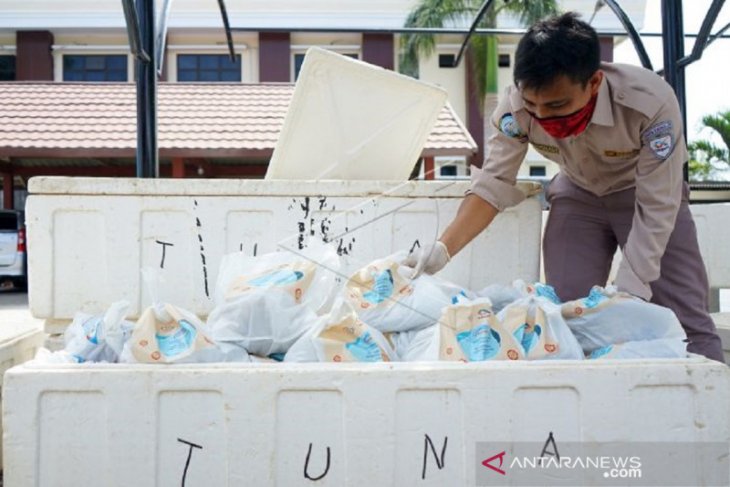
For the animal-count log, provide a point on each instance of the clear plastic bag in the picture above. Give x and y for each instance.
(264, 304)
(167, 334)
(468, 331)
(99, 338)
(660, 348)
(538, 324)
(341, 337)
(608, 317)
(308, 276)
(416, 345)
(387, 300)
(263, 322)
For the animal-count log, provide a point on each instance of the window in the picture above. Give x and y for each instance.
(7, 68)
(299, 59)
(504, 61)
(446, 60)
(538, 171)
(95, 67)
(208, 67)
(448, 171)
(8, 221)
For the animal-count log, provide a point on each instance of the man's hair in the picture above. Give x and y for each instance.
(559, 45)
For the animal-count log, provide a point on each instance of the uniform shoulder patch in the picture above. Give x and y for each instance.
(509, 127)
(659, 138)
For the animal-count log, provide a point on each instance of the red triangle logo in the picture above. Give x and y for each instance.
(488, 463)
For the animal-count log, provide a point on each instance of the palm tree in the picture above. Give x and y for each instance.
(707, 159)
(484, 54)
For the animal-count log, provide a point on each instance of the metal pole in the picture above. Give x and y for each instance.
(147, 161)
(631, 31)
(673, 34)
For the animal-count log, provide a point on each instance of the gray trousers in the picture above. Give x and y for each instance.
(581, 237)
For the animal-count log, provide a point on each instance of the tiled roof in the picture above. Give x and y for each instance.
(194, 120)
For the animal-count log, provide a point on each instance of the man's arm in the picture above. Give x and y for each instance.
(492, 190)
(474, 215)
(658, 196)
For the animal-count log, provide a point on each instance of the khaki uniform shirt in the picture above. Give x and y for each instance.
(634, 139)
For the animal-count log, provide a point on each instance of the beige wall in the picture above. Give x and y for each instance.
(453, 80)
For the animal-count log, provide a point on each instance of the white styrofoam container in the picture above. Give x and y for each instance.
(90, 237)
(351, 120)
(253, 424)
(122, 425)
(19, 343)
(713, 234)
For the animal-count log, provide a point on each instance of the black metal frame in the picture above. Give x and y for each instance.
(149, 51)
(631, 31)
(483, 10)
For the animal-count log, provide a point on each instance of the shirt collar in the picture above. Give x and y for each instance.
(603, 113)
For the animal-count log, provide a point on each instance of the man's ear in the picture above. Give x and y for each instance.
(595, 82)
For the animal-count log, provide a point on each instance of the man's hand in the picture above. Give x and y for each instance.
(429, 259)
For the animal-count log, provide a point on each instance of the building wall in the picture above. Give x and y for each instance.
(451, 79)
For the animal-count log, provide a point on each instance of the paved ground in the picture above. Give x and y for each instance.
(14, 308)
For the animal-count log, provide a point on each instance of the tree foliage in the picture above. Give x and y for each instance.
(449, 13)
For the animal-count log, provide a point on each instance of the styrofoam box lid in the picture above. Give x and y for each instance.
(352, 120)
(252, 187)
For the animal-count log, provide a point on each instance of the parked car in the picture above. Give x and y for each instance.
(13, 255)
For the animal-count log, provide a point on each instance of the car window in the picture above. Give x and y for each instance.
(8, 221)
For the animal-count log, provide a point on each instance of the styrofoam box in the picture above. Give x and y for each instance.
(90, 237)
(274, 424)
(268, 424)
(713, 235)
(19, 343)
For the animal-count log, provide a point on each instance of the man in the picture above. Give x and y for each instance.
(616, 132)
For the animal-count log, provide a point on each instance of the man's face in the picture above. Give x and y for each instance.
(561, 97)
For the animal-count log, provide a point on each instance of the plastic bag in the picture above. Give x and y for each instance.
(167, 334)
(99, 338)
(266, 303)
(386, 300)
(608, 317)
(660, 348)
(500, 295)
(341, 337)
(307, 276)
(263, 322)
(416, 345)
(45, 356)
(468, 331)
(539, 325)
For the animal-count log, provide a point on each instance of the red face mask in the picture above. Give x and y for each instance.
(567, 125)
